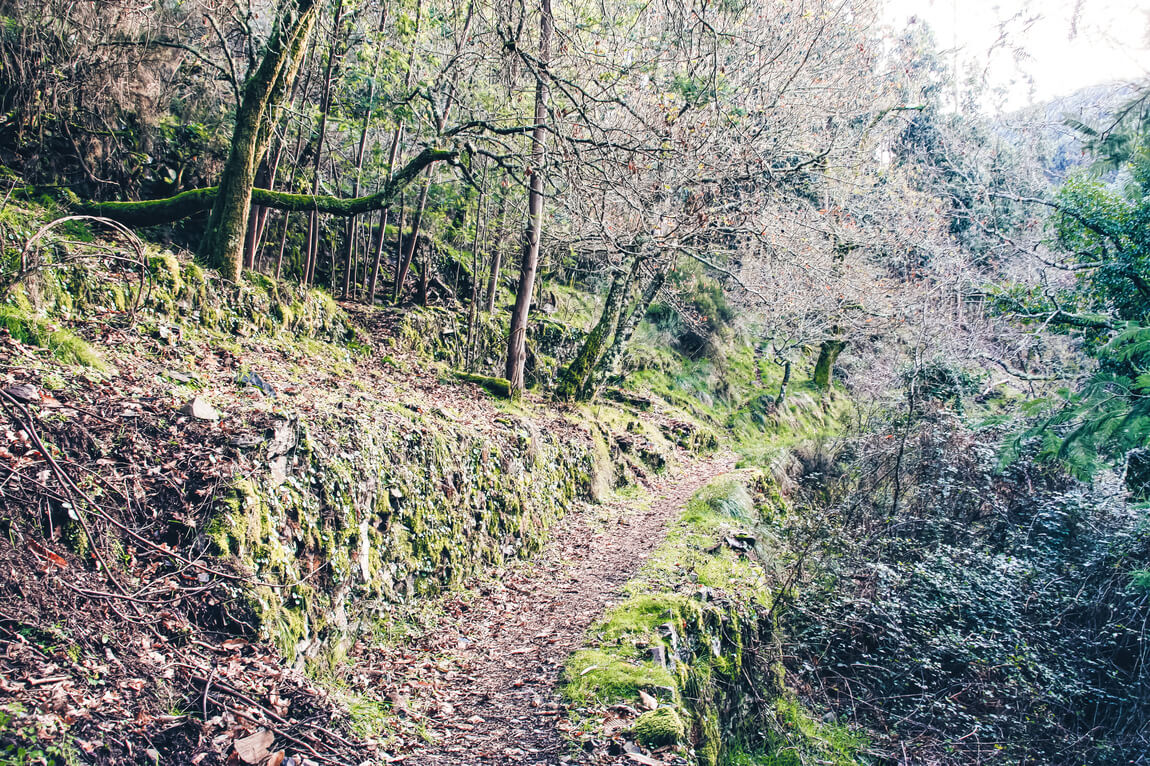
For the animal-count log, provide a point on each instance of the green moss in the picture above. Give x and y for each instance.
(63, 344)
(597, 676)
(494, 386)
(659, 728)
(636, 622)
(796, 738)
(705, 641)
(709, 748)
(166, 272)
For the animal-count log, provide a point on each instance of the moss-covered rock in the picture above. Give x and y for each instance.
(659, 728)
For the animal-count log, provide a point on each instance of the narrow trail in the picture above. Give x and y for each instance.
(503, 707)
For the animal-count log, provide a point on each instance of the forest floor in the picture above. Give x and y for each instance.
(490, 696)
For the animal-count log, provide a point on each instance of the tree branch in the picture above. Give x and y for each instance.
(189, 203)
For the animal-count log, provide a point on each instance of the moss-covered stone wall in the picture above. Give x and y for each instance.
(375, 507)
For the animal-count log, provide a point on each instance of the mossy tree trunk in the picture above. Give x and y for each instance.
(608, 366)
(782, 397)
(231, 201)
(573, 379)
(223, 243)
(517, 337)
(824, 366)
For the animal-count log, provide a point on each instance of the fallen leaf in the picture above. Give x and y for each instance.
(254, 748)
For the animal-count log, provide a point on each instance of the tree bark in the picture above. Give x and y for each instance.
(193, 201)
(573, 380)
(517, 337)
(473, 306)
(824, 367)
(496, 257)
(223, 242)
(608, 366)
(782, 397)
(412, 242)
(349, 235)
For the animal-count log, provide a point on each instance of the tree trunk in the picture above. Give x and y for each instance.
(325, 108)
(223, 242)
(608, 366)
(824, 367)
(412, 241)
(398, 247)
(159, 211)
(517, 337)
(374, 279)
(782, 397)
(573, 380)
(350, 229)
(473, 307)
(496, 257)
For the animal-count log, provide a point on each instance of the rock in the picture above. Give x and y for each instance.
(245, 440)
(659, 728)
(648, 701)
(23, 393)
(200, 409)
(254, 380)
(283, 438)
(659, 655)
(278, 470)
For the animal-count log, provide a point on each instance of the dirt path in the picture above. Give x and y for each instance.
(501, 705)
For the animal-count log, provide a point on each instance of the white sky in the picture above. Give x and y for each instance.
(1065, 44)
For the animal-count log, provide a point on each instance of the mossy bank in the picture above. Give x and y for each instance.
(355, 511)
(690, 662)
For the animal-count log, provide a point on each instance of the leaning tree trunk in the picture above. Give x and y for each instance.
(517, 337)
(573, 380)
(611, 361)
(223, 242)
(782, 397)
(824, 367)
(412, 242)
(496, 257)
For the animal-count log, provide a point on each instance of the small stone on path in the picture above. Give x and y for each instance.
(200, 410)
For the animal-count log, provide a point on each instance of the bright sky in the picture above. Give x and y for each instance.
(1064, 44)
